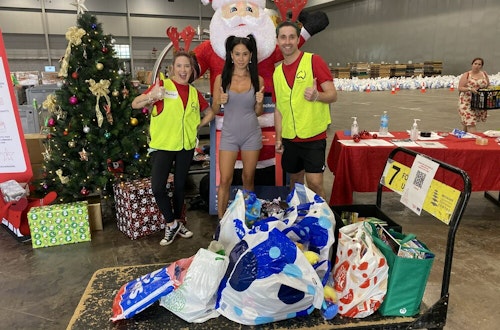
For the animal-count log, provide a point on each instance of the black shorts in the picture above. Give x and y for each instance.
(308, 156)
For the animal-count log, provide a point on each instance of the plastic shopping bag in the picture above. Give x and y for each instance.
(268, 279)
(310, 222)
(135, 296)
(194, 300)
(360, 272)
(232, 225)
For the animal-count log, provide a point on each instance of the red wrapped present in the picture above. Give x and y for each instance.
(137, 214)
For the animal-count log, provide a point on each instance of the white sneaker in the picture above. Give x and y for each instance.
(184, 232)
(170, 234)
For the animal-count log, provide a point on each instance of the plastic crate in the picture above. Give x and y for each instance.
(486, 99)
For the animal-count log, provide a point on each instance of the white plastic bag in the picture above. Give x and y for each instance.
(268, 279)
(360, 272)
(194, 300)
(232, 226)
(310, 222)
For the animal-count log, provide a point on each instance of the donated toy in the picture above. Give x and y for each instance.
(241, 18)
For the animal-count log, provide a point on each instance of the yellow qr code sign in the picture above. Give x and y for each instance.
(440, 200)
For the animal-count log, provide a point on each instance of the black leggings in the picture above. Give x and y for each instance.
(162, 162)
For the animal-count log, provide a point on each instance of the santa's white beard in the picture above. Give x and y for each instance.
(262, 28)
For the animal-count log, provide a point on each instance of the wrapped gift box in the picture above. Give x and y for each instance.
(137, 214)
(59, 224)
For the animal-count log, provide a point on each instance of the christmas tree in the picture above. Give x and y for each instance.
(94, 136)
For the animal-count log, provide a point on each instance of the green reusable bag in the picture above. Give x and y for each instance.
(407, 276)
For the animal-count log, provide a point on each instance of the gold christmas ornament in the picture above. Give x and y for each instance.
(115, 93)
(83, 155)
(64, 179)
(74, 37)
(134, 121)
(99, 89)
(99, 66)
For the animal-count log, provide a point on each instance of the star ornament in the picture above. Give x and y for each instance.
(84, 156)
(80, 6)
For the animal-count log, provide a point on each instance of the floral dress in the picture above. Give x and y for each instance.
(469, 116)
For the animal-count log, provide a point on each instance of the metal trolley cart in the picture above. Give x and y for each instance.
(445, 201)
(394, 178)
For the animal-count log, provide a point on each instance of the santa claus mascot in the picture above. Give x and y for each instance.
(241, 18)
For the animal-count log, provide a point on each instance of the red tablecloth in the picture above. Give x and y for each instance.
(359, 168)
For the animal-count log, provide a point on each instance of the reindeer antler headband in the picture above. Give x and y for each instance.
(187, 35)
(285, 6)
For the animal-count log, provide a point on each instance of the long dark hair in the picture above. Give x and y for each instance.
(227, 71)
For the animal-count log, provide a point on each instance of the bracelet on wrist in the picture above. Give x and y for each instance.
(317, 96)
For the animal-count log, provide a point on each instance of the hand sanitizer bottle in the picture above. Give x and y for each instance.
(384, 124)
(354, 126)
(414, 130)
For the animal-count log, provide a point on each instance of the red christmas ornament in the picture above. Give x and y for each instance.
(51, 122)
(104, 50)
(74, 75)
(356, 138)
(145, 111)
(73, 100)
(84, 191)
(115, 167)
(65, 132)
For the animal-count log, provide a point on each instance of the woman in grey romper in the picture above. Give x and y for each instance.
(238, 91)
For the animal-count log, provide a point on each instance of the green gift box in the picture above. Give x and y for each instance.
(59, 224)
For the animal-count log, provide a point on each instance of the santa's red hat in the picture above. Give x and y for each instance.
(216, 4)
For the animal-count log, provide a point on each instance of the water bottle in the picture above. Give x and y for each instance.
(354, 126)
(384, 124)
(414, 130)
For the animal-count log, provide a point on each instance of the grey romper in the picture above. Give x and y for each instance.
(240, 129)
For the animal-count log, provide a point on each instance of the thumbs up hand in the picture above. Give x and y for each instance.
(223, 97)
(259, 96)
(311, 93)
(157, 92)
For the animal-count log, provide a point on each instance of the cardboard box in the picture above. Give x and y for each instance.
(59, 224)
(35, 147)
(95, 216)
(137, 214)
(27, 78)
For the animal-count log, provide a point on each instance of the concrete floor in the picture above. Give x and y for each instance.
(40, 289)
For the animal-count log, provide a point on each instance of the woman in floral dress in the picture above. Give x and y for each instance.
(470, 82)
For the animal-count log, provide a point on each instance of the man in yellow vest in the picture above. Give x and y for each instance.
(304, 90)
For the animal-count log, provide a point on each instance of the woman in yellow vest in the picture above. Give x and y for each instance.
(304, 89)
(175, 119)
